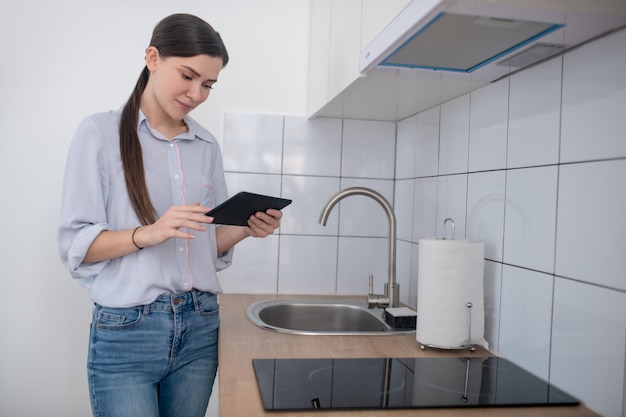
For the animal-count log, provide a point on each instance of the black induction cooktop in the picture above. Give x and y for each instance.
(374, 383)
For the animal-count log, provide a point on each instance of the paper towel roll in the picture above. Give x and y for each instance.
(450, 275)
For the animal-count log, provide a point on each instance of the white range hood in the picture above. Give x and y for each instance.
(436, 50)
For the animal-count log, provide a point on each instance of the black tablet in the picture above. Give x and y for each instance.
(238, 209)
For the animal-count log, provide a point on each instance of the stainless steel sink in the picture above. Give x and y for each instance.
(320, 316)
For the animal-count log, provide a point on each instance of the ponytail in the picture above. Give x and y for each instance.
(131, 155)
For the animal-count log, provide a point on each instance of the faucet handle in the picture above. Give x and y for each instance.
(376, 300)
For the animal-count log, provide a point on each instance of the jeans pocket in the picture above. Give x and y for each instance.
(207, 304)
(112, 318)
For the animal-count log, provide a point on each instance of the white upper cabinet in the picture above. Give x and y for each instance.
(340, 30)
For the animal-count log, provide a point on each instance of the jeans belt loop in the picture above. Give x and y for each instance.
(194, 295)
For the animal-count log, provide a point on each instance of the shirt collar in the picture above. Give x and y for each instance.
(194, 129)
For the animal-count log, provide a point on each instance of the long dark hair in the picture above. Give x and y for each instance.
(178, 35)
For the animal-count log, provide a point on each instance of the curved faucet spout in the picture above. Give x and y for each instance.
(392, 289)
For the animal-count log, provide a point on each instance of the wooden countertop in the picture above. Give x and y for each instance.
(241, 341)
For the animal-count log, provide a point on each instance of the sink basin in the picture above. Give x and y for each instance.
(320, 316)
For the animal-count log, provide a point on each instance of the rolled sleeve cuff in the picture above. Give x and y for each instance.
(79, 248)
(224, 260)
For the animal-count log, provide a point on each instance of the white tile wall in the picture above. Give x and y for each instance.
(309, 195)
(363, 216)
(587, 357)
(269, 184)
(485, 211)
(488, 126)
(369, 149)
(425, 208)
(590, 239)
(312, 147)
(253, 143)
(594, 100)
(526, 319)
(451, 203)
(533, 166)
(406, 273)
(492, 293)
(414, 255)
(308, 265)
(406, 148)
(534, 116)
(255, 270)
(454, 136)
(354, 268)
(403, 207)
(427, 144)
(530, 217)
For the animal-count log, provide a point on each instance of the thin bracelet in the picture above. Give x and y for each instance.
(132, 237)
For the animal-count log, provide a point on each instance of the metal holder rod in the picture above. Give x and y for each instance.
(443, 232)
(469, 344)
(469, 327)
(467, 370)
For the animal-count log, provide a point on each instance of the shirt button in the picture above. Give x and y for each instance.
(176, 176)
(181, 249)
(171, 145)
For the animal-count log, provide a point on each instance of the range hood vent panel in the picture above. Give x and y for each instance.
(535, 53)
(464, 43)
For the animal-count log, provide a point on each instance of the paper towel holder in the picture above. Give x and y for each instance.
(470, 346)
(443, 232)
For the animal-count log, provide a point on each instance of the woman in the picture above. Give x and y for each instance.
(133, 231)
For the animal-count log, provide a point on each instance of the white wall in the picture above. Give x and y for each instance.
(62, 60)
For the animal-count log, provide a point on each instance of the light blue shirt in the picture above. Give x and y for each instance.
(184, 170)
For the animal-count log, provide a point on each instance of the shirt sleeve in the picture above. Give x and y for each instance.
(224, 260)
(83, 202)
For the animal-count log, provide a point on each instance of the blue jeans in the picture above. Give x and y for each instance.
(157, 360)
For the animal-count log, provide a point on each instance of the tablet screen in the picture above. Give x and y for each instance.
(238, 209)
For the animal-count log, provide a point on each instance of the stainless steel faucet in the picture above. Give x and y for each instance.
(391, 296)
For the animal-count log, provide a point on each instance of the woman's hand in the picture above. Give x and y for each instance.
(263, 224)
(174, 223)
(259, 225)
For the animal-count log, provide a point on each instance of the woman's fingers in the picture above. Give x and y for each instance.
(264, 224)
(177, 221)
